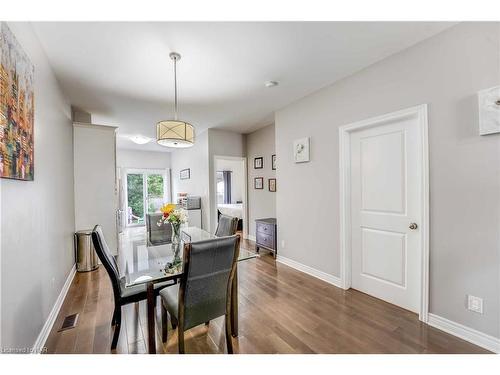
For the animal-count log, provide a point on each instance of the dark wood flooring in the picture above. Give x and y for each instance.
(281, 311)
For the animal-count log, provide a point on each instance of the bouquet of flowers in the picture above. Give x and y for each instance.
(172, 215)
(175, 217)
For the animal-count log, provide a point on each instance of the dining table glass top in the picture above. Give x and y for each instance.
(140, 263)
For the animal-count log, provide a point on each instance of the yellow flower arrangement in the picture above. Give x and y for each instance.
(172, 214)
(167, 209)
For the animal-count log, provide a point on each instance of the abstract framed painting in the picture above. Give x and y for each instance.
(17, 109)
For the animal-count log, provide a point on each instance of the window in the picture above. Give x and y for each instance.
(220, 188)
(146, 193)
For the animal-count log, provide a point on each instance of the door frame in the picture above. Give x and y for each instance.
(213, 197)
(420, 112)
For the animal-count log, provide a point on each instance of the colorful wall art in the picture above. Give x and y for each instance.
(17, 109)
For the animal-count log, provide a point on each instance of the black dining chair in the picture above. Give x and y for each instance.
(204, 291)
(122, 295)
(227, 226)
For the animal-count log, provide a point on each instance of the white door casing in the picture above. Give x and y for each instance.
(384, 189)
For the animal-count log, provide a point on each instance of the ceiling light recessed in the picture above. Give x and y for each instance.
(271, 84)
(140, 139)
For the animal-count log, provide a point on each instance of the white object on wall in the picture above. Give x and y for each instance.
(96, 200)
(301, 150)
(489, 110)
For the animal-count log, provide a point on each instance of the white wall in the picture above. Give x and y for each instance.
(38, 217)
(142, 159)
(261, 203)
(221, 143)
(238, 178)
(196, 159)
(445, 72)
(95, 180)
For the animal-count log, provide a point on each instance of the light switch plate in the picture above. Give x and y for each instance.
(475, 304)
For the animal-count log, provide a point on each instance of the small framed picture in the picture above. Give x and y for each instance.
(489, 111)
(273, 162)
(258, 163)
(272, 184)
(185, 174)
(301, 150)
(258, 183)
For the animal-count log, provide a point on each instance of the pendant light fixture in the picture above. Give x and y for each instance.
(175, 133)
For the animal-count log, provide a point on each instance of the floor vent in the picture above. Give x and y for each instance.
(69, 322)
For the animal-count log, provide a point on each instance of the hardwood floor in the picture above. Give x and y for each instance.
(281, 311)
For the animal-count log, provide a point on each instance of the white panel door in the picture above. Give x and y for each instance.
(386, 194)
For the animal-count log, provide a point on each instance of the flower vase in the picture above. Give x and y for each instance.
(176, 242)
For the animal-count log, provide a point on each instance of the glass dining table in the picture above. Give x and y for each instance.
(143, 264)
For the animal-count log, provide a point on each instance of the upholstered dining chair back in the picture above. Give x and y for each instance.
(107, 259)
(227, 226)
(157, 234)
(209, 268)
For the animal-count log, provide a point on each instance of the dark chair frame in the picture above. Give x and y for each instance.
(179, 323)
(111, 267)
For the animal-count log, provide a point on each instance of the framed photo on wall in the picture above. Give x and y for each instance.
(258, 163)
(273, 162)
(489, 110)
(272, 184)
(185, 174)
(301, 150)
(258, 183)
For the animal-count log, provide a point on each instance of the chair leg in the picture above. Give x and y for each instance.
(113, 320)
(118, 323)
(180, 339)
(174, 322)
(229, 341)
(164, 323)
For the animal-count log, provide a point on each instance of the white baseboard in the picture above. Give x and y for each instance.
(330, 279)
(468, 334)
(250, 237)
(51, 319)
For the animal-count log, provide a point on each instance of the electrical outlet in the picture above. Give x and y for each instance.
(282, 244)
(475, 304)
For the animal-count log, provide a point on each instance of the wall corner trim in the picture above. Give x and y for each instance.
(330, 279)
(465, 333)
(51, 319)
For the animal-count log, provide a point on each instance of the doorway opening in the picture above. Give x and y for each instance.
(230, 190)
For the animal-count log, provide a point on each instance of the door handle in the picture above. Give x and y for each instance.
(413, 226)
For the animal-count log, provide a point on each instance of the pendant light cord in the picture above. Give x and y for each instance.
(175, 88)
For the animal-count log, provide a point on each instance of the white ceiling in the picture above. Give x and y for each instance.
(122, 75)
